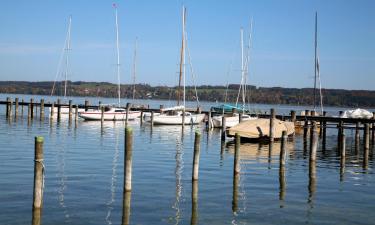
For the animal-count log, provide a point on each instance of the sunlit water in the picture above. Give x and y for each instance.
(84, 166)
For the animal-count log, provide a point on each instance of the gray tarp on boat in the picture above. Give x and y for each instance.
(259, 128)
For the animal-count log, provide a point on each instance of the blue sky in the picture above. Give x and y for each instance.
(32, 35)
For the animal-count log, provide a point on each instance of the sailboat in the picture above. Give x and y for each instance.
(112, 112)
(234, 119)
(177, 115)
(66, 50)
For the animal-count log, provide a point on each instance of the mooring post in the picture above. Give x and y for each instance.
(210, 120)
(236, 167)
(199, 110)
(240, 117)
(41, 109)
(76, 113)
(141, 118)
(152, 118)
(102, 114)
(126, 200)
(7, 108)
(306, 125)
(31, 108)
(283, 152)
(366, 146)
(293, 116)
(340, 131)
(52, 110)
(58, 109)
(87, 103)
(223, 128)
(161, 107)
(194, 203)
(272, 121)
(312, 113)
(29, 111)
(22, 107)
(10, 108)
(70, 109)
(373, 130)
(312, 131)
(314, 145)
(196, 156)
(183, 118)
(38, 173)
(128, 158)
(342, 145)
(16, 108)
(127, 113)
(357, 137)
(236, 181)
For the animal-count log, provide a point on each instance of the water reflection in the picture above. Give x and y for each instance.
(126, 207)
(178, 173)
(114, 176)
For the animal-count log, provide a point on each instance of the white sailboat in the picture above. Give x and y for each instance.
(177, 115)
(66, 50)
(233, 120)
(111, 112)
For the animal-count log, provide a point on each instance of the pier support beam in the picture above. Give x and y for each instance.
(38, 173)
(272, 123)
(128, 159)
(196, 156)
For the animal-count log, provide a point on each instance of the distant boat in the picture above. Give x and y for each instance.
(177, 115)
(112, 112)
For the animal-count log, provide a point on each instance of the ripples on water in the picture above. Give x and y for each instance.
(84, 177)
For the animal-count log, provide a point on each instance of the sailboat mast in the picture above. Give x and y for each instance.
(316, 47)
(67, 49)
(183, 49)
(118, 57)
(182, 60)
(135, 65)
(242, 72)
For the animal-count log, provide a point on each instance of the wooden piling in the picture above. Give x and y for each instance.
(127, 113)
(236, 182)
(196, 156)
(357, 137)
(70, 109)
(306, 125)
(87, 103)
(41, 109)
(366, 135)
(76, 113)
(38, 173)
(58, 109)
(314, 145)
(342, 146)
(223, 128)
(282, 183)
(373, 130)
(283, 152)
(141, 118)
(7, 108)
(293, 116)
(128, 159)
(102, 114)
(10, 108)
(236, 167)
(152, 118)
(209, 120)
(340, 130)
(312, 132)
(29, 112)
(52, 110)
(22, 107)
(194, 203)
(240, 117)
(31, 108)
(272, 121)
(16, 107)
(126, 200)
(183, 117)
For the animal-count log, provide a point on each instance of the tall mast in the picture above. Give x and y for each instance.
(182, 61)
(316, 47)
(242, 72)
(67, 49)
(118, 57)
(135, 65)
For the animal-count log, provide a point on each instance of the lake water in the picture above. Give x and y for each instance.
(84, 172)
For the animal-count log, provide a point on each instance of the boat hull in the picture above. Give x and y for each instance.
(177, 119)
(97, 115)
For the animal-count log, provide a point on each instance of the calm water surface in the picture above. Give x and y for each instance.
(84, 177)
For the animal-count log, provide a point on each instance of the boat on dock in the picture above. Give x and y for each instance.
(258, 130)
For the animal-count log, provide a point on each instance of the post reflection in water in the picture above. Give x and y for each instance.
(126, 207)
(282, 184)
(178, 173)
(236, 181)
(270, 149)
(312, 182)
(36, 219)
(194, 203)
(114, 175)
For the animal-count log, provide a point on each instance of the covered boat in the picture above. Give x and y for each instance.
(358, 114)
(259, 129)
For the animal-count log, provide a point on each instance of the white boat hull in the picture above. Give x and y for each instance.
(97, 115)
(230, 121)
(177, 119)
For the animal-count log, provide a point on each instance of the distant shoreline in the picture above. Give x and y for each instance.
(211, 93)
